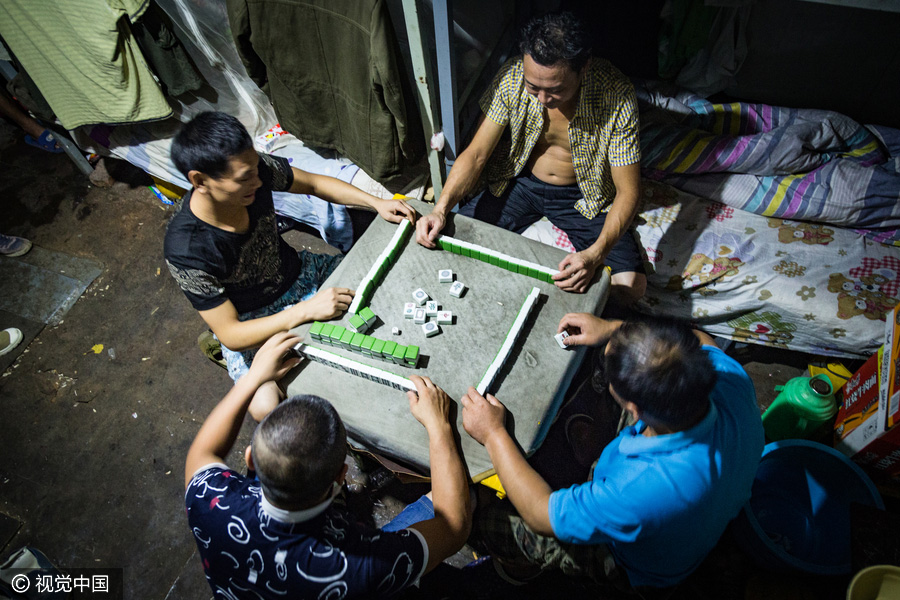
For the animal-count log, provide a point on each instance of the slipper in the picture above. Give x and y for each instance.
(45, 142)
(581, 442)
(9, 339)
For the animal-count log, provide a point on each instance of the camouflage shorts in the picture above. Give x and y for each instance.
(498, 530)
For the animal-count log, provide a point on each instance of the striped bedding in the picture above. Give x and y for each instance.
(798, 164)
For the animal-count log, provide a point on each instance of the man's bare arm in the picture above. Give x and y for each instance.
(449, 529)
(339, 192)
(577, 270)
(461, 179)
(240, 335)
(484, 420)
(221, 427)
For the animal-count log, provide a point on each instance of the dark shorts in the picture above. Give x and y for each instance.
(527, 199)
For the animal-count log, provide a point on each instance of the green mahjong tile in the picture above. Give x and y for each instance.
(357, 322)
(399, 354)
(494, 260)
(315, 330)
(367, 315)
(412, 355)
(377, 347)
(532, 272)
(503, 264)
(367, 344)
(442, 244)
(325, 334)
(356, 342)
(387, 353)
(337, 333)
(545, 276)
(347, 337)
(521, 269)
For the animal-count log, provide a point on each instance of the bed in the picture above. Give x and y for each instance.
(767, 225)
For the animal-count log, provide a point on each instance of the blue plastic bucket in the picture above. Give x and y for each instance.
(798, 516)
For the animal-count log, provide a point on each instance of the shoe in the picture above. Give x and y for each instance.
(45, 142)
(211, 348)
(9, 339)
(11, 245)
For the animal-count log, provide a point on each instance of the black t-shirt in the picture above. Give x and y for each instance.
(251, 269)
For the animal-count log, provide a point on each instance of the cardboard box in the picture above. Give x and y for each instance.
(266, 141)
(881, 457)
(890, 371)
(855, 425)
(866, 428)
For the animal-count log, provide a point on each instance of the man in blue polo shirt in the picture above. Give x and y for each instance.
(662, 492)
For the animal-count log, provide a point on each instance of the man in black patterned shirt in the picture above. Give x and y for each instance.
(223, 248)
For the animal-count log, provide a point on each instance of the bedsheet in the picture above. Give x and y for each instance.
(786, 284)
(800, 164)
(801, 286)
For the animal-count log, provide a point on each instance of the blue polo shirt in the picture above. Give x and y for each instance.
(661, 503)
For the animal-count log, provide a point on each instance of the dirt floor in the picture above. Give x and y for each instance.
(93, 440)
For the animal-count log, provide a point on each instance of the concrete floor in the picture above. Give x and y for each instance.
(92, 442)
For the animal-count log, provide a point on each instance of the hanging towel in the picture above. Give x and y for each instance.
(332, 69)
(84, 59)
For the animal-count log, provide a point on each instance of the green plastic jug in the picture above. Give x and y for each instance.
(803, 405)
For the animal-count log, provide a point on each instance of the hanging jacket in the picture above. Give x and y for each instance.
(333, 72)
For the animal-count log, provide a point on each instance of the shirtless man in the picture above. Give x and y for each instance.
(573, 155)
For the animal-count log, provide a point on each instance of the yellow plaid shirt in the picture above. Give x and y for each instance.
(604, 131)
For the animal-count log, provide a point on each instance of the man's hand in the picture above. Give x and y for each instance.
(428, 227)
(586, 329)
(326, 304)
(275, 358)
(575, 272)
(395, 211)
(429, 404)
(482, 417)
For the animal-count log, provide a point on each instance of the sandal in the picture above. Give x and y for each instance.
(45, 142)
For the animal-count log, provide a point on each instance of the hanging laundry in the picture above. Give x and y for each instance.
(163, 50)
(84, 59)
(333, 71)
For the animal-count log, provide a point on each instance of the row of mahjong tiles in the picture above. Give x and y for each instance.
(389, 256)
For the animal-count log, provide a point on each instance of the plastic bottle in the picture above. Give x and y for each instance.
(802, 407)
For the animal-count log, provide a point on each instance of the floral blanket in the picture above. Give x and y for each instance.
(787, 284)
(809, 287)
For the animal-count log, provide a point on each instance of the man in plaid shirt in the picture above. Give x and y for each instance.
(571, 153)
